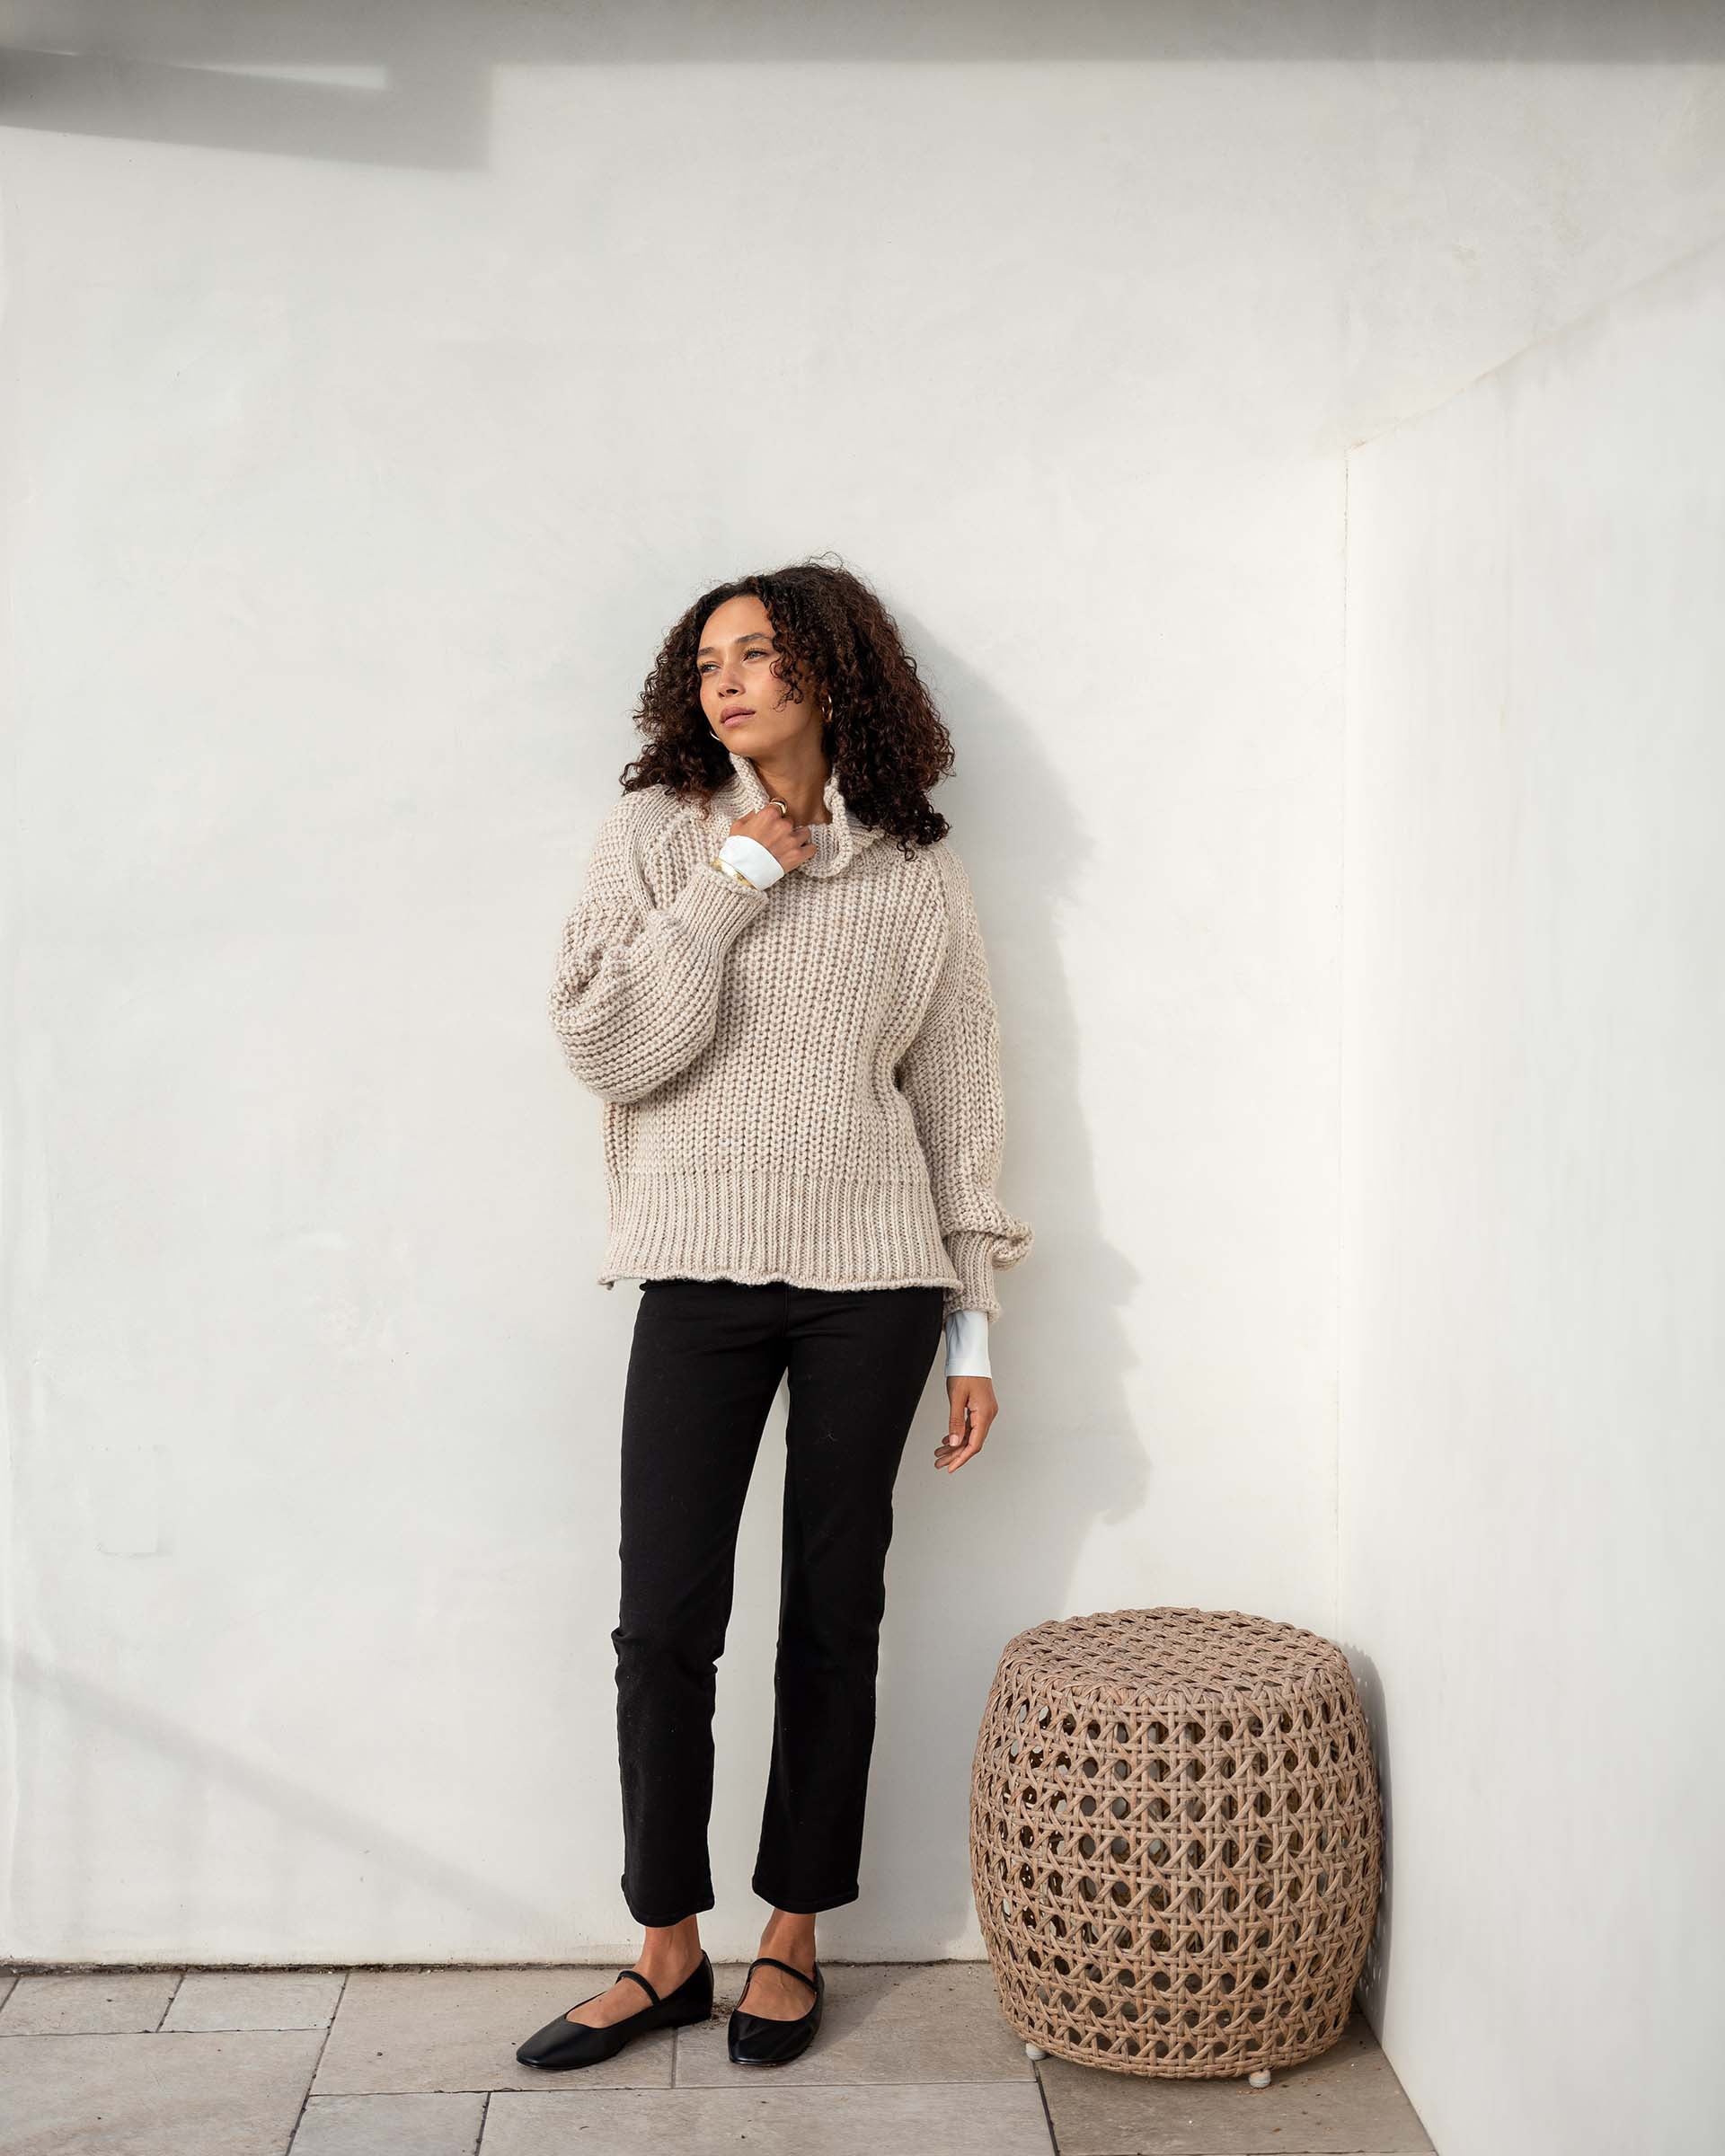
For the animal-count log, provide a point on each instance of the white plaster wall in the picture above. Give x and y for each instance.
(377, 384)
(1533, 1486)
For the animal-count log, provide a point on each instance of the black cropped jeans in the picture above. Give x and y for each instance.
(703, 1368)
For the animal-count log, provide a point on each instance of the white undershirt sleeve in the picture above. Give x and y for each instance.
(755, 861)
(966, 1344)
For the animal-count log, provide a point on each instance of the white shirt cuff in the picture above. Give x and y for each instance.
(750, 855)
(966, 1344)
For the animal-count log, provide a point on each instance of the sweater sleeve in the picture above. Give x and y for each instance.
(951, 1076)
(634, 996)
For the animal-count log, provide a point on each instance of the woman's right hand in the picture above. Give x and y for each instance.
(789, 843)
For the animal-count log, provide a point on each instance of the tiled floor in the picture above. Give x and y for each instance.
(912, 2060)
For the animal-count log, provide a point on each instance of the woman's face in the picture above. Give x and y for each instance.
(743, 701)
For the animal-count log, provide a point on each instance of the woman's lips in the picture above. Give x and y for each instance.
(731, 717)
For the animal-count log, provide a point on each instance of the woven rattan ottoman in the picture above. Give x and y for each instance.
(1175, 1841)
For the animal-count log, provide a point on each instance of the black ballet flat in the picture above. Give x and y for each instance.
(758, 2040)
(563, 2043)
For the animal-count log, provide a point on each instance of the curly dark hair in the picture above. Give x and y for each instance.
(887, 742)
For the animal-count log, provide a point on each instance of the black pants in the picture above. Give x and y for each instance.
(706, 1363)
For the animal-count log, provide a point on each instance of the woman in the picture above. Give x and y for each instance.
(776, 981)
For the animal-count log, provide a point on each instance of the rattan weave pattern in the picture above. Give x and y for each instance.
(1176, 1847)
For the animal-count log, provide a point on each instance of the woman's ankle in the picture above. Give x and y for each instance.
(671, 1950)
(790, 1936)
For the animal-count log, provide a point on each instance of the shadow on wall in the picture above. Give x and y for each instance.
(409, 81)
(1372, 1989)
(115, 1736)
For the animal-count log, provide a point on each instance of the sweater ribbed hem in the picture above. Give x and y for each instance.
(812, 1231)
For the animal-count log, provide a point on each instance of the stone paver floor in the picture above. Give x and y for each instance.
(912, 2060)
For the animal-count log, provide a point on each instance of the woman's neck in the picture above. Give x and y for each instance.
(802, 791)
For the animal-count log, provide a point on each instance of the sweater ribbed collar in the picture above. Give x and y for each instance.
(836, 844)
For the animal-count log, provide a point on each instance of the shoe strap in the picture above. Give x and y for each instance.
(642, 1982)
(773, 1961)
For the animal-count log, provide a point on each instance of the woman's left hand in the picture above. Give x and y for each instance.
(970, 1408)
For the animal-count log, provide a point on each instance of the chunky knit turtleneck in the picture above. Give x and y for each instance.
(801, 1083)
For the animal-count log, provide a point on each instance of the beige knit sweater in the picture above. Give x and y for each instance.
(801, 1083)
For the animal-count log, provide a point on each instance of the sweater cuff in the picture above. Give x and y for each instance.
(715, 907)
(972, 1252)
